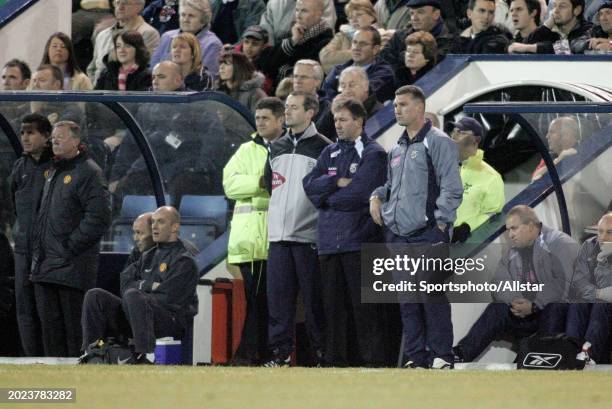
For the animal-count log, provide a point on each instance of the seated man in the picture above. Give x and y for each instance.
(142, 236)
(483, 187)
(525, 19)
(541, 260)
(158, 293)
(601, 35)
(365, 47)
(593, 284)
(563, 135)
(483, 36)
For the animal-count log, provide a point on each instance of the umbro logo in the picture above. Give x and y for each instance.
(541, 360)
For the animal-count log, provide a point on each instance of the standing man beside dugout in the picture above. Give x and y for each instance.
(292, 232)
(339, 186)
(244, 182)
(417, 205)
(73, 214)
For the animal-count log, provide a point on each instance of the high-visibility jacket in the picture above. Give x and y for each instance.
(483, 192)
(248, 238)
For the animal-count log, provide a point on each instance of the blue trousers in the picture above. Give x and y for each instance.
(593, 323)
(427, 326)
(497, 320)
(293, 266)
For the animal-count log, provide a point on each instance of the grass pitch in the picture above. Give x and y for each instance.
(134, 387)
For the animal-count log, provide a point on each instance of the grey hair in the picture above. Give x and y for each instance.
(203, 6)
(360, 71)
(525, 214)
(316, 67)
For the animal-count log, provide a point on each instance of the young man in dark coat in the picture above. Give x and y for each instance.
(73, 214)
(27, 180)
(483, 36)
(340, 186)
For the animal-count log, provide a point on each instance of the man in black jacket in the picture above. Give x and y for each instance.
(73, 214)
(158, 293)
(27, 181)
(483, 37)
(425, 15)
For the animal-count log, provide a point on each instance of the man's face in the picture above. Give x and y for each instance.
(466, 143)
(347, 127)
(252, 47)
(64, 145)
(142, 234)
(558, 138)
(126, 10)
(268, 125)
(307, 13)
(363, 50)
(604, 230)
(605, 20)
(13, 80)
(482, 15)
(424, 18)
(190, 19)
(521, 18)
(32, 140)
(407, 109)
(351, 85)
(304, 79)
(521, 235)
(563, 13)
(163, 229)
(295, 115)
(165, 79)
(44, 81)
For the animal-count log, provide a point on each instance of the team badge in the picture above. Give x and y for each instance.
(353, 168)
(46, 174)
(413, 155)
(163, 267)
(67, 179)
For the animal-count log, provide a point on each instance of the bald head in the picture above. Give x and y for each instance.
(167, 77)
(142, 233)
(562, 134)
(604, 228)
(165, 224)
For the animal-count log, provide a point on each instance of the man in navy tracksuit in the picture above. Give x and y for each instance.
(292, 231)
(418, 206)
(339, 186)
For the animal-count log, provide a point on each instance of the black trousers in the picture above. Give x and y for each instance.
(254, 340)
(27, 316)
(137, 314)
(355, 331)
(59, 309)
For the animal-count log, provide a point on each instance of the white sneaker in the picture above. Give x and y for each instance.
(439, 363)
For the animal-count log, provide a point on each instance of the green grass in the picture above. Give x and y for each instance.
(134, 387)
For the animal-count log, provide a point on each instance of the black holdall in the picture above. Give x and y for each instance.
(109, 351)
(549, 352)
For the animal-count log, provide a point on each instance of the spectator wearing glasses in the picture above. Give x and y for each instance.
(365, 47)
(127, 13)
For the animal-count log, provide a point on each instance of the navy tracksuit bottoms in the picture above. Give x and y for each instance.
(593, 323)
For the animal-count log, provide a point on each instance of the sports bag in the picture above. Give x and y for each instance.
(112, 351)
(549, 352)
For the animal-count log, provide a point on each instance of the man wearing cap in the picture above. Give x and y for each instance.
(425, 16)
(231, 18)
(483, 36)
(601, 35)
(255, 46)
(365, 47)
(483, 187)
(194, 18)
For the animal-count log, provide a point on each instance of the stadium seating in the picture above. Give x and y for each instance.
(203, 219)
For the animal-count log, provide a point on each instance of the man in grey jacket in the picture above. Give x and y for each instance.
(418, 206)
(591, 317)
(541, 261)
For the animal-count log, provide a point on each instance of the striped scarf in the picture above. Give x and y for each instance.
(123, 73)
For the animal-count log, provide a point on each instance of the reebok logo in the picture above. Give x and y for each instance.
(277, 180)
(541, 360)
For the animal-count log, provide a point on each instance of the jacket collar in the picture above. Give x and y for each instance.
(420, 136)
(475, 161)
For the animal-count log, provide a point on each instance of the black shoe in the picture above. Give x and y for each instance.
(278, 362)
(458, 355)
(140, 359)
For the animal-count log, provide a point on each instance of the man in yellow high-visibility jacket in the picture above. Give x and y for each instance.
(243, 181)
(483, 187)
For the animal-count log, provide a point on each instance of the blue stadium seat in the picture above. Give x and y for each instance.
(205, 207)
